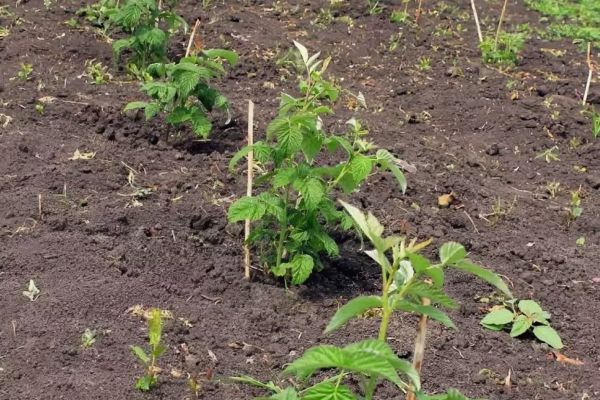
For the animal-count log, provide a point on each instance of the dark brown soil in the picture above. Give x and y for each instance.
(93, 255)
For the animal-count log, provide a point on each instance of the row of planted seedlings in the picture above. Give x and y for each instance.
(296, 211)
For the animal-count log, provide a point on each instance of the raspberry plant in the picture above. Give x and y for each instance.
(296, 209)
(183, 92)
(150, 378)
(407, 278)
(143, 20)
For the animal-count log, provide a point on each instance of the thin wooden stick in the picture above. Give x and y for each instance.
(590, 73)
(476, 21)
(249, 186)
(192, 35)
(500, 24)
(418, 12)
(419, 354)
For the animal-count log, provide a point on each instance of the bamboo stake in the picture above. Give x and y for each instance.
(419, 354)
(192, 35)
(249, 186)
(476, 21)
(500, 24)
(590, 73)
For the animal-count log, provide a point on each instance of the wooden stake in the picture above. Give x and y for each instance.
(476, 18)
(249, 186)
(419, 354)
(590, 73)
(500, 25)
(192, 35)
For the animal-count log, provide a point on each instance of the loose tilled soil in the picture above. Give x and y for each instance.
(93, 255)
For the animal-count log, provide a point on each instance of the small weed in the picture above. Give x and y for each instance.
(39, 108)
(97, 72)
(73, 23)
(574, 208)
(99, 14)
(24, 73)
(400, 16)
(500, 209)
(528, 315)
(424, 64)
(150, 378)
(394, 42)
(504, 52)
(552, 188)
(580, 242)
(574, 142)
(88, 338)
(374, 7)
(595, 124)
(549, 155)
(32, 292)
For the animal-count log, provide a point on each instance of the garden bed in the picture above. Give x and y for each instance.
(72, 225)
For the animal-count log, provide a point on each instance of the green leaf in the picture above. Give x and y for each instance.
(352, 309)
(501, 316)
(382, 350)
(145, 383)
(484, 274)
(360, 167)
(388, 161)
(521, 324)
(284, 176)
(230, 56)
(246, 208)
(430, 311)
(248, 380)
(329, 391)
(548, 335)
(140, 354)
(154, 327)
(328, 243)
(533, 311)
(452, 252)
(179, 115)
(312, 191)
(326, 357)
(287, 394)
(201, 125)
(302, 266)
(311, 145)
(435, 294)
(120, 45)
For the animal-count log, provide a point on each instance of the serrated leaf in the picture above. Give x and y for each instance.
(312, 191)
(520, 325)
(140, 354)
(302, 266)
(484, 274)
(287, 394)
(404, 273)
(231, 56)
(382, 350)
(311, 145)
(246, 208)
(501, 316)
(179, 115)
(548, 335)
(388, 161)
(352, 309)
(200, 124)
(421, 309)
(328, 243)
(329, 391)
(360, 167)
(326, 357)
(284, 177)
(452, 252)
(435, 294)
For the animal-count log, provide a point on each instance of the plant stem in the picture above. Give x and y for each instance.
(500, 25)
(283, 227)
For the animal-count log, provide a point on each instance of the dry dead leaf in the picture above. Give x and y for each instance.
(83, 156)
(564, 359)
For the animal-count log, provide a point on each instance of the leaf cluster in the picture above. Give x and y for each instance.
(149, 28)
(183, 92)
(506, 51)
(295, 209)
(407, 278)
(528, 315)
(150, 378)
(99, 14)
(572, 19)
